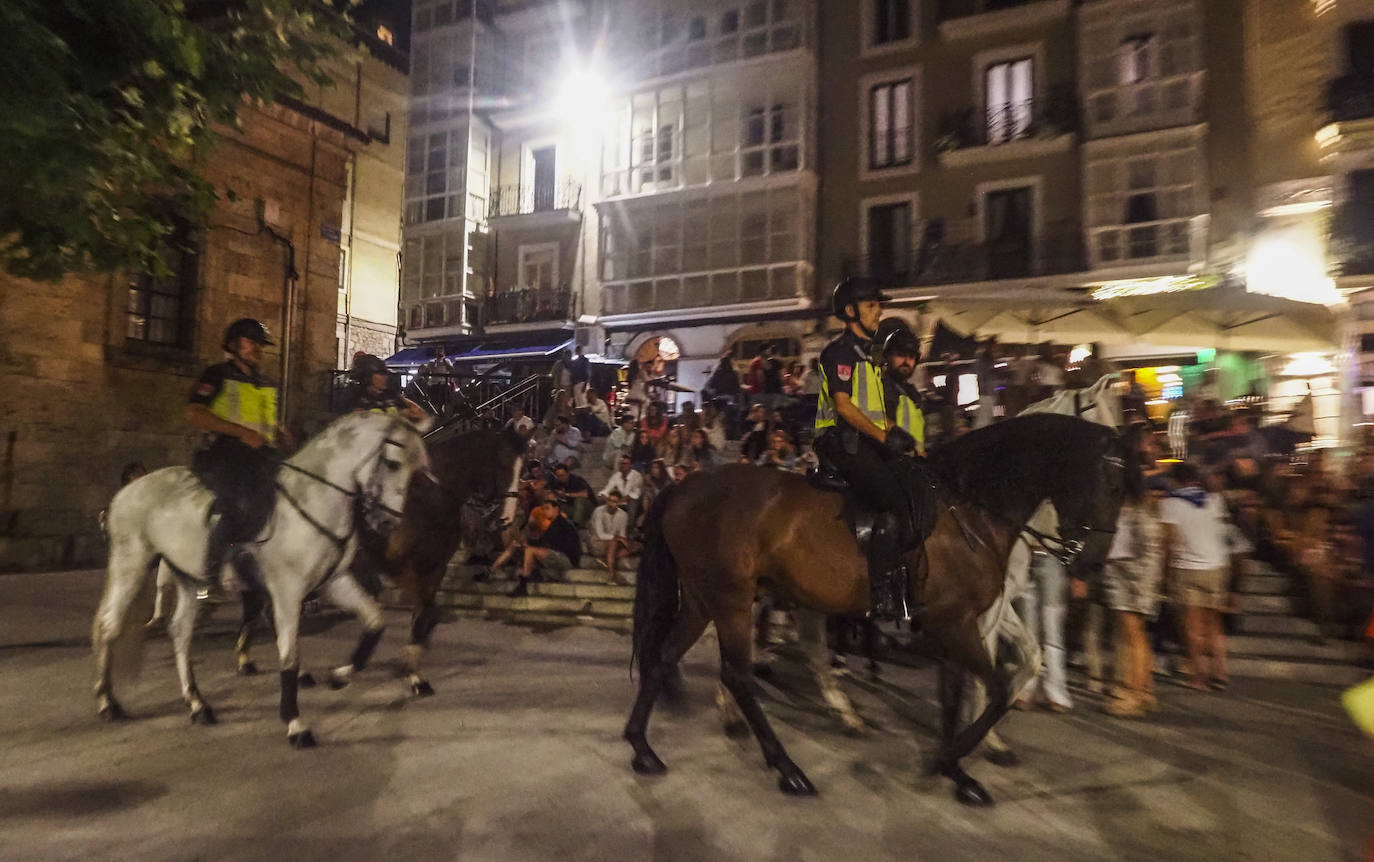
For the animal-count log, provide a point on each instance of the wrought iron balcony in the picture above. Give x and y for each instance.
(527, 305)
(1351, 246)
(1350, 97)
(1048, 117)
(965, 8)
(939, 262)
(517, 199)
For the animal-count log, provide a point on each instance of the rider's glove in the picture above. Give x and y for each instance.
(898, 441)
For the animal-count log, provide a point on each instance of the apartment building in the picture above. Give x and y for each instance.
(708, 180)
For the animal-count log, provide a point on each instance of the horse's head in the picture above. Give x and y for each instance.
(383, 479)
(1091, 495)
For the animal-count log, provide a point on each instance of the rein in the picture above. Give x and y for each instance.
(339, 543)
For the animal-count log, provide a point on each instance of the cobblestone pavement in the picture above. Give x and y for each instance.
(518, 757)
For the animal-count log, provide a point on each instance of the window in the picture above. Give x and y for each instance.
(656, 154)
(1133, 59)
(159, 306)
(729, 21)
(1009, 99)
(889, 239)
(890, 125)
(696, 29)
(891, 21)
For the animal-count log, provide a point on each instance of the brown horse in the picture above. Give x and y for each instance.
(479, 467)
(712, 541)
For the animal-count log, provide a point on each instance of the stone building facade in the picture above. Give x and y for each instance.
(95, 370)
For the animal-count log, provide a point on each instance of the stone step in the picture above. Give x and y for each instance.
(1257, 567)
(1258, 604)
(556, 590)
(1297, 648)
(623, 625)
(598, 575)
(1266, 624)
(536, 604)
(1319, 672)
(1266, 585)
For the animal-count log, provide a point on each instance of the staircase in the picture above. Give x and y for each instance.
(1276, 643)
(586, 597)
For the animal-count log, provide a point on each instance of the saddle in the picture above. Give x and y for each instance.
(860, 516)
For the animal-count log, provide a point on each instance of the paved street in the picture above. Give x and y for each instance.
(518, 757)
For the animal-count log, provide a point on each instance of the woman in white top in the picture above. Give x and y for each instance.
(1131, 581)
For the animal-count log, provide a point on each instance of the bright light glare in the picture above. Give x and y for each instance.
(1307, 365)
(583, 95)
(1291, 264)
(1079, 353)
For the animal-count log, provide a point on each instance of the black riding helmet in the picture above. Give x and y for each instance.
(246, 327)
(852, 291)
(367, 365)
(901, 340)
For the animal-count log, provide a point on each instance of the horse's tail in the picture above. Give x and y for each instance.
(656, 587)
(127, 639)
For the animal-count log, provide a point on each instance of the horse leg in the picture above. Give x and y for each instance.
(254, 602)
(871, 636)
(181, 627)
(344, 592)
(166, 583)
(967, 652)
(425, 585)
(686, 630)
(731, 719)
(129, 568)
(286, 615)
(999, 622)
(735, 674)
(811, 638)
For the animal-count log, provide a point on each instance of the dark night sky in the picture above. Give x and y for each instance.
(394, 13)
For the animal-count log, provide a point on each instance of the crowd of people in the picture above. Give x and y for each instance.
(1219, 489)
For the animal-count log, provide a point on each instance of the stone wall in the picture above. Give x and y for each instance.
(78, 399)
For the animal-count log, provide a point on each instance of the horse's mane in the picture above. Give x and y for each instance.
(996, 466)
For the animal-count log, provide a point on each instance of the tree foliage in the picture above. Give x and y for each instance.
(108, 110)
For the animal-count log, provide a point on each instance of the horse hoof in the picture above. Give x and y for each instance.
(737, 729)
(973, 794)
(304, 739)
(422, 689)
(796, 784)
(647, 763)
(1005, 757)
(306, 680)
(113, 712)
(205, 716)
(248, 668)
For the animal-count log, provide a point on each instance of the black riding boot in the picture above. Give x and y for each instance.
(886, 576)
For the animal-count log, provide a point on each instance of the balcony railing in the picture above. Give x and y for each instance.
(1350, 97)
(527, 305)
(965, 8)
(527, 198)
(938, 262)
(715, 289)
(1351, 246)
(1047, 117)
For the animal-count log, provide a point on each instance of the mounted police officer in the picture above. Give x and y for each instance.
(855, 438)
(372, 390)
(237, 409)
(901, 350)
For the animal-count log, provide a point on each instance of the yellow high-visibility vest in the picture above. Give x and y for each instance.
(912, 420)
(866, 393)
(249, 405)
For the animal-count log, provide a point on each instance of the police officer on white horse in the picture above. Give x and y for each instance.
(855, 439)
(237, 409)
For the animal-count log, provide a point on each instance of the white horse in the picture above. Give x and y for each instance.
(1000, 623)
(357, 469)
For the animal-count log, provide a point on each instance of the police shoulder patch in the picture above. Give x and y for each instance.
(844, 372)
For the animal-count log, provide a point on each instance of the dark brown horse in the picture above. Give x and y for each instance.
(713, 540)
(480, 467)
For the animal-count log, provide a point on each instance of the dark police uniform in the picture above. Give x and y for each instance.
(386, 401)
(243, 479)
(848, 367)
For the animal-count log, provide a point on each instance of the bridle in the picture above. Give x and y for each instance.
(367, 494)
(1066, 550)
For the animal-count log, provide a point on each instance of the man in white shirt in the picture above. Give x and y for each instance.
(620, 441)
(566, 442)
(1196, 564)
(519, 422)
(607, 532)
(600, 411)
(628, 483)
